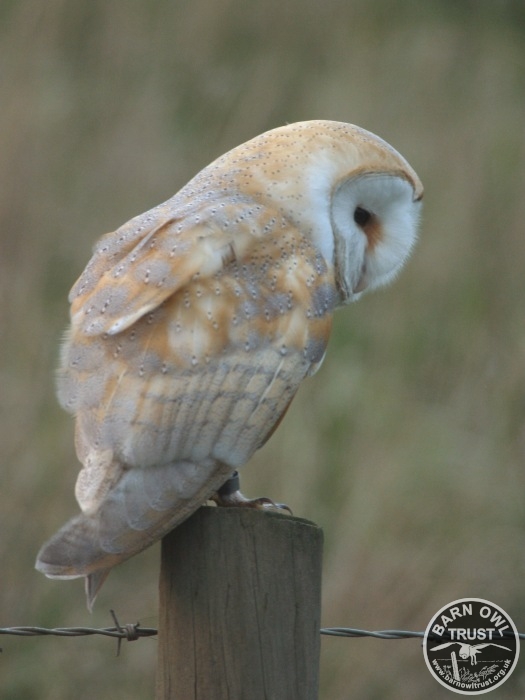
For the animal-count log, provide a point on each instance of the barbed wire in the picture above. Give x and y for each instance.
(393, 634)
(379, 634)
(132, 632)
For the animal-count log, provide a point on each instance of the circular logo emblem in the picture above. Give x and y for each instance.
(471, 646)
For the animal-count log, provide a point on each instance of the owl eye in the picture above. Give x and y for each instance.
(361, 216)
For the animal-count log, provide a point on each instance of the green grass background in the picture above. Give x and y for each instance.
(408, 446)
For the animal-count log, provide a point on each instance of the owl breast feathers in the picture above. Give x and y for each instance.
(194, 324)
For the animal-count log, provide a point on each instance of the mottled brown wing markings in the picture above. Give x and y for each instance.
(208, 372)
(127, 278)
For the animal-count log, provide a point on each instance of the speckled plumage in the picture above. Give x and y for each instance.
(194, 324)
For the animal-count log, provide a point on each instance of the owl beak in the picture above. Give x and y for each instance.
(362, 282)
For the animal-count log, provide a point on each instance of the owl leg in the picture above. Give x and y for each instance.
(229, 495)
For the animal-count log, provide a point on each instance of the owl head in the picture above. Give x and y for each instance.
(355, 195)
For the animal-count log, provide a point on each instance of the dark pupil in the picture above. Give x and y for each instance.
(361, 216)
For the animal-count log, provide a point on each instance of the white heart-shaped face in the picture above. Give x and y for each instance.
(375, 218)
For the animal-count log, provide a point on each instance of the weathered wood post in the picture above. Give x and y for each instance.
(240, 604)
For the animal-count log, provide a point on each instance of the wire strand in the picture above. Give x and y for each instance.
(132, 632)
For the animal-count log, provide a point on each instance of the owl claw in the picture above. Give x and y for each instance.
(230, 496)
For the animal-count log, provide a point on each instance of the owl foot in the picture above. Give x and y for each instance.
(229, 495)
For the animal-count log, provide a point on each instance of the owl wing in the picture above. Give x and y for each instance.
(489, 644)
(135, 268)
(181, 384)
(444, 646)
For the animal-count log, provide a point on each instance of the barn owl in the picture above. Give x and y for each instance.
(194, 324)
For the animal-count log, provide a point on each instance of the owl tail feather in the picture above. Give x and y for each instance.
(93, 584)
(72, 553)
(141, 509)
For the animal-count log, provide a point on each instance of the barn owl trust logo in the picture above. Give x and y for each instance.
(471, 646)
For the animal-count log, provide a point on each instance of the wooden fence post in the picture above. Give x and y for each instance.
(240, 601)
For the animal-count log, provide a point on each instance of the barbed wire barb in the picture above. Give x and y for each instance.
(129, 632)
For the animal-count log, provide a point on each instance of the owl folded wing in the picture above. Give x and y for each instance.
(138, 266)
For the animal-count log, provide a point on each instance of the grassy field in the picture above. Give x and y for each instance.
(408, 446)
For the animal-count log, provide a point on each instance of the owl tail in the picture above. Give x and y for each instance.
(143, 507)
(73, 552)
(93, 584)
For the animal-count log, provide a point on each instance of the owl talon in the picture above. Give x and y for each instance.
(230, 496)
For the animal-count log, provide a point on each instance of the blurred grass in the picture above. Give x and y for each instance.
(408, 446)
